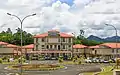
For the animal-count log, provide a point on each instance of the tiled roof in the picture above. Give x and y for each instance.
(31, 46)
(97, 46)
(12, 46)
(3, 43)
(111, 45)
(46, 34)
(79, 46)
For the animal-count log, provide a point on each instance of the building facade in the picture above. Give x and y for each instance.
(53, 43)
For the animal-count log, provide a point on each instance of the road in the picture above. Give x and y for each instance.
(69, 70)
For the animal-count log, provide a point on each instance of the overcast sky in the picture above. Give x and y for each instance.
(64, 15)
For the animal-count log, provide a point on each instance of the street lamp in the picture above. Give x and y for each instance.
(74, 39)
(21, 22)
(116, 36)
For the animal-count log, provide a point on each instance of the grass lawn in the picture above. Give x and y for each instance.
(106, 71)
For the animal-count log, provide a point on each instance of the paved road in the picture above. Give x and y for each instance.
(70, 70)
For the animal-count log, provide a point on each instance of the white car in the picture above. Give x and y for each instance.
(88, 60)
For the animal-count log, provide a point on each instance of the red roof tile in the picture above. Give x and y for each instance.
(3, 43)
(79, 46)
(31, 46)
(97, 46)
(112, 45)
(65, 35)
(12, 46)
(41, 35)
(46, 34)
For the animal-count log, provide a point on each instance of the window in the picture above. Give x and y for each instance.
(112, 50)
(69, 40)
(69, 46)
(55, 46)
(76, 50)
(36, 40)
(116, 50)
(63, 40)
(43, 40)
(58, 47)
(47, 47)
(51, 46)
(36, 47)
(42, 46)
(63, 46)
(59, 40)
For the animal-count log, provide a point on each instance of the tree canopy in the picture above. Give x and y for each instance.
(15, 38)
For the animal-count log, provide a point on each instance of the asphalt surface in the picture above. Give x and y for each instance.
(68, 70)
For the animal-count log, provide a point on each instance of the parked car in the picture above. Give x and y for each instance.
(54, 58)
(47, 58)
(88, 60)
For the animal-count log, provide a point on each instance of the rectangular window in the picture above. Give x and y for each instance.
(63, 39)
(69, 40)
(36, 40)
(43, 39)
(76, 50)
(69, 46)
(116, 50)
(50, 46)
(55, 46)
(58, 39)
(63, 46)
(112, 50)
(36, 47)
(47, 47)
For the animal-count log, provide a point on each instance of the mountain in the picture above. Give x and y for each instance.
(92, 37)
(107, 39)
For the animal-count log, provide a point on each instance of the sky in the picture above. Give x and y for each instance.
(68, 16)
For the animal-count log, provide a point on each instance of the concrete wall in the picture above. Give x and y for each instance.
(102, 51)
(6, 50)
(53, 41)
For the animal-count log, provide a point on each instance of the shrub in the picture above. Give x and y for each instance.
(79, 61)
(0, 60)
(60, 60)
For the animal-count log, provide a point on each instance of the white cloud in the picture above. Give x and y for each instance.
(90, 16)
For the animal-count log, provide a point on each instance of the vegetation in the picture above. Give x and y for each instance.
(39, 67)
(14, 38)
(80, 39)
(60, 59)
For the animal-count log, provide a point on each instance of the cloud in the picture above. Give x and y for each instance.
(89, 15)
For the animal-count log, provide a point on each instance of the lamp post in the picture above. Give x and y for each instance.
(21, 23)
(73, 42)
(116, 36)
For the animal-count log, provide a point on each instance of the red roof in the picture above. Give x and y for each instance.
(97, 46)
(3, 43)
(112, 45)
(31, 46)
(79, 46)
(12, 46)
(46, 34)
